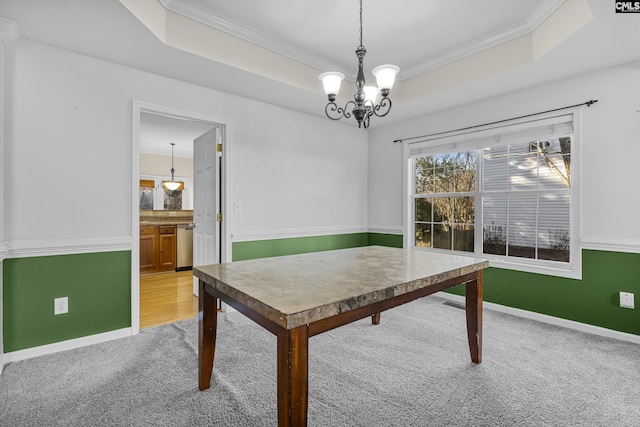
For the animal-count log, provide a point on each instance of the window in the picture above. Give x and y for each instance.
(526, 200)
(172, 199)
(154, 196)
(445, 201)
(507, 195)
(147, 191)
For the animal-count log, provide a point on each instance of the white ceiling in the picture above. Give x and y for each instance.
(157, 132)
(420, 36)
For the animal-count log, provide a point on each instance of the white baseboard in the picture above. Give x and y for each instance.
(29, 353)
(570, 324)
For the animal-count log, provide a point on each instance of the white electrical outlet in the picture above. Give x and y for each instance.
(626, 300)
(61, 305)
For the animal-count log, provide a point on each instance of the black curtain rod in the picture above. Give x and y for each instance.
(588, 104)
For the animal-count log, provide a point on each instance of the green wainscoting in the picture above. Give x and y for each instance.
(296, 245)
(98, 286)
(594, 300)
(381, 239)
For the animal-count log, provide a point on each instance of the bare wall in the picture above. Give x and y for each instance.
(70, 122)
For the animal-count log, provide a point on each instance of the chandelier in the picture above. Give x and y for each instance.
(364, 100)
(173, 184)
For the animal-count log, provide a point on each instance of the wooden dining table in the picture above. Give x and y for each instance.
(298, 296)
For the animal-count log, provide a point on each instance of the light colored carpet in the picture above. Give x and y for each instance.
(413, 369)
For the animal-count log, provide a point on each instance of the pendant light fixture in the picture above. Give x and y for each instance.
(364, 103)
(173, 184)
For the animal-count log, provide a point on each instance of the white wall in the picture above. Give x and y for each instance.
(69, 121)
(69, 151)
(610, 146)
(4, 39)
(155, 164)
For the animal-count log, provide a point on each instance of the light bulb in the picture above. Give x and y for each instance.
(370, 94)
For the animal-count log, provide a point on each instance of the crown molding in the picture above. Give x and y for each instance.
(465, 50)
(507, 34)
(197, 12)
(8, 31)
(543, 12)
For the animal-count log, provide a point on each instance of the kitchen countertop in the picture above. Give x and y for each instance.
(167, 221)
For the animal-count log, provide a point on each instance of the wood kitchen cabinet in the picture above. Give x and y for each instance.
(148, 249)
(157, 248)
(167, 248)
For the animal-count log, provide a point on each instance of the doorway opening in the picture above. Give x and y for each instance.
(152, 126)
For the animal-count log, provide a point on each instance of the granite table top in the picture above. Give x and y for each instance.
(300, 289)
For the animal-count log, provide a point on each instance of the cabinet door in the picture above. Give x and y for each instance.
(167, 248)
(148, 251)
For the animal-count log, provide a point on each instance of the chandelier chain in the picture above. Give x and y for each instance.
(361, 24)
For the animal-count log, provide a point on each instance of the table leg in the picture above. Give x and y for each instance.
(474, 317)
(375, 319)
(293, 356)
(207, 326)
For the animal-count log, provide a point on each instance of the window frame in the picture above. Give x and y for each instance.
(477, 140)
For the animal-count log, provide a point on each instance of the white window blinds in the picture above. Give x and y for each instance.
(495, 135)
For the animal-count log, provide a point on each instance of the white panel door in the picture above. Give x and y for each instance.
(206, 201)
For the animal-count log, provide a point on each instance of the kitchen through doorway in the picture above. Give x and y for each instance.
(163, 287)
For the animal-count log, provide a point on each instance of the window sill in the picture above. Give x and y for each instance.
(570, 271)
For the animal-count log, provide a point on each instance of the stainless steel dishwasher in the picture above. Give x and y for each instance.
(184, 245)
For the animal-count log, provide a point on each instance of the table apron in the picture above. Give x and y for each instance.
(269, 325)
(345, 317)
(350, 316)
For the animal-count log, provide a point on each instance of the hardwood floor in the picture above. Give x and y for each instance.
(166, 298)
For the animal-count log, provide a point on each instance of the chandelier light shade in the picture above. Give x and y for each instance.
(385, 76)
(173, 184)
(331, 83)
(364, 103)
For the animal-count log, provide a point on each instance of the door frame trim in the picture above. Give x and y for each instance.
(138, 107)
